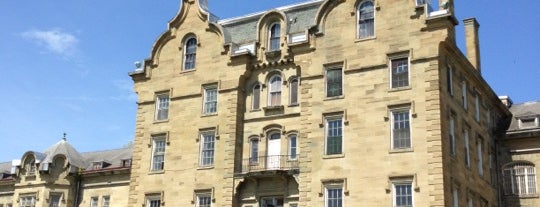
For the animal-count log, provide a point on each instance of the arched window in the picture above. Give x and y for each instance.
(256, 99)
(190, 53)
(294, 92)
(519, 179)
(274, 37)
(274, 93)
(366, 20)
(30, 165)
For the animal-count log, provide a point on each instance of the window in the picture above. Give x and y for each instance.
(27, 201)
(30, 165)
(162, 107)
(204, 200)
(274, 94)
(105, 201)
(153, 201)
(158, 153)
(256, 97)
(94, 202)
(477, 108)
(420, 2)
(466, 145)
(334, 135)
(334, 196)
(294, 92)
(271, 202)
(452, 135)
(520, 179)
(469, 202)
(366, 20)
(480, 151)
(400, 72)
(190, 52)
(401, 129)
(334, 82)
(54, 200)
(464, 94)
(528, 122)
(126, 163)
(207, 148)
(455, 197)
(293, 148)
(450, 80)
(403, 196)
(254, 154)
(274, 34)
(210, 100)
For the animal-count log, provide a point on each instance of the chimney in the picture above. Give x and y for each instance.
(506, 101)
(472, 42)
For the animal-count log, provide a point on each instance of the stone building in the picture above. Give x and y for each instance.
(60, 176)
(521, 150)
(322, 103)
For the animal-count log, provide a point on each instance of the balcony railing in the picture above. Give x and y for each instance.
(266, 163)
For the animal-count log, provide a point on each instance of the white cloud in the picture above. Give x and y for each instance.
(54, 40)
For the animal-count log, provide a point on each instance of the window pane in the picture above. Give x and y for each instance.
(190, 54)
(275, 32)
(254, 150)
(403, 194)
(275, 91)
(207, 149)
(292, 147)
(294, 91)
(334, 137)
(366, 21)
(162, 107)
(334, 197)
(154, 203)
(401, 130)
(333, 82)
(400, 72)
(204, 201)
(210, 100)
(256, 96)
(158, 159)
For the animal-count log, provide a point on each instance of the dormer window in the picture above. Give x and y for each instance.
(528, 122)
(274, 34)
(126, 163)
(99, 165)
(30, 166)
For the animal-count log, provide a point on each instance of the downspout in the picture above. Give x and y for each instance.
(78, 189)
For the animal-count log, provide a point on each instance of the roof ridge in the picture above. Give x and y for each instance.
(107, 150)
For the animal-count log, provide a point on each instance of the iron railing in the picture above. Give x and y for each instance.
(274, 162)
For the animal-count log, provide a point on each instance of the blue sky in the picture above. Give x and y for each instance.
(64, 63)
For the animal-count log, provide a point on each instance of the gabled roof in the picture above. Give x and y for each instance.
(524, 110)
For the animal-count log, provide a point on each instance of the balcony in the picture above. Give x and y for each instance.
(263, 165)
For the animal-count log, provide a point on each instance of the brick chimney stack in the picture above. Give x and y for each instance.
(472, 42)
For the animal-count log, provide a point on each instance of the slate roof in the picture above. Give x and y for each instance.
(5, 167)
(299, 18)
(113, 157)
(64, 148)
(527, 109)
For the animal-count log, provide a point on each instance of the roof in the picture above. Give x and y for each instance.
(298, 17)
(5, 167)
(113, 157)
(524, 110)
(65, 149)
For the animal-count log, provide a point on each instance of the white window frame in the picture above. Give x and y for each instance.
(186, 54)
(392, 127)
(464, 95)
(208, 102)
(94, 201)
(292, 148)
(254, 150)
(480, 154)
(27, 201)
(331, 187)
(205, 147)
(477, 107)
(163, 101)
(272, 37)
(161, 139)
(292, 91)
(275, 89)
(105, 201)
(522, 126)
(327, 120)
(400, 58)
(466, 144)
(256, 98)
(207, 197)
(520, 179)
(359, 19)
(326, 81)
(452, 133)
(152, 199)
(395, 184)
